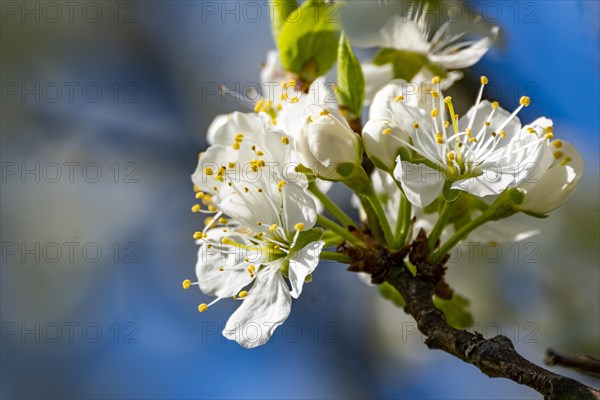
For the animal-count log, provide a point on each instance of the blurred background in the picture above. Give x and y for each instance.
(104, 108)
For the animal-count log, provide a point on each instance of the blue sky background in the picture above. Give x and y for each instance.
(341, 340)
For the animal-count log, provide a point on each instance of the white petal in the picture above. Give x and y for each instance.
(502, 232)
(267, 306)
(215, 126)
(402, 34)
(421, 184)
(211, 280)
(303, 263)
(557, 184)
(468, 55)
(376, 77)
(298, 207)
(491, 182)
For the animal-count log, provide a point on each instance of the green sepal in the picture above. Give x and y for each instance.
(450, 194)
(307, 237)
(345, 169)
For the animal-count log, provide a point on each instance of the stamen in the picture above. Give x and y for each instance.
(186, 284)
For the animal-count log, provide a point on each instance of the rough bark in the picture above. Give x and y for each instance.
(495, 357)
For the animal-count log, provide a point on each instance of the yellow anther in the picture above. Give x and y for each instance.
(252, 269)
(469, 132)
(246, 190)
(439, 138)
(450, 156)
(531, 130)
(221, 269)
(202, 307)
(285, 140)
(487, 123)
(484, 80)
(495, 104)
(223, 221)
(186, 284)
(292, 83)
(236, 146)
(259, 223)
(435, 94)
(284, 96)
(208, 221)
(231, 165)
(557, 144)
(260, 190)
(494, 134)
(280, 185)
(324, 112)
(196, 208)
(242, 294)
(198, 235)
(549, 129)
(279, 106)
(446, 124)
(273, 228)
(199, 195)
(260, 153)
(525, 101)
(447, 99)
(299, 226)
(209, 171)
(472, 140)
(434, 112)
(276, 247)
(196, 189)
(211, 208)
(436, 80)
(258, 105)
(399, 98)
(549, 135)
(558, 155)
(386, 131)
(415, 125)
(502, 134)
(294, 99)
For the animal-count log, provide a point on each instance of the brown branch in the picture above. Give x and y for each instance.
(495, 357)
(583, 363)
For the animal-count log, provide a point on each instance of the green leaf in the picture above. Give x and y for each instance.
(351, 81)
(308, 40)
(280, 12)
(455, 310)
(407, 63)
(390, 293)
(307, 237)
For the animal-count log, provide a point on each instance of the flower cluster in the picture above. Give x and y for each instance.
(262, 183)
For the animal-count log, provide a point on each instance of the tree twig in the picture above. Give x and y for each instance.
(496, 357)
(583, 363)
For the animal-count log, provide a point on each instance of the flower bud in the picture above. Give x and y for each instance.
(329, 147)
(557, 183)
(383, 140)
